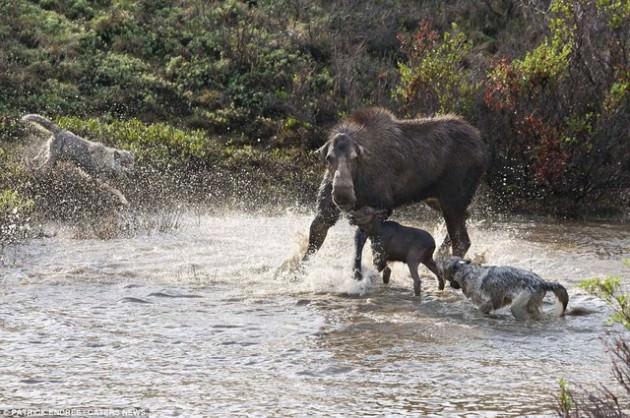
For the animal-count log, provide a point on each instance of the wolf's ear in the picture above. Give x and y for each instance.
(460, 263)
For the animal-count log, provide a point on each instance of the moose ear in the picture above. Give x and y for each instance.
(369, 210)
(357, 151)
(323, 150)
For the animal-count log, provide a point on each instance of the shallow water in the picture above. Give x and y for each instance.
(197, 322)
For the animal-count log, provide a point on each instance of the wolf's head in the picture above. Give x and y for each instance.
(123, 161)
(449, 266)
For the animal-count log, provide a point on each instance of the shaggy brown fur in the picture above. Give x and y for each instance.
(375, 159)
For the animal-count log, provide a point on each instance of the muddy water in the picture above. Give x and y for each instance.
(196, 322)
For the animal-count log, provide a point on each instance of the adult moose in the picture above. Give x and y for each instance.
(374, 159)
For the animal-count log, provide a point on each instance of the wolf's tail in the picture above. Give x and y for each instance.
(560, 292)
(43, 122)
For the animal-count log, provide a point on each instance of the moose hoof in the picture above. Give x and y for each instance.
(358, 275)
(416, 289)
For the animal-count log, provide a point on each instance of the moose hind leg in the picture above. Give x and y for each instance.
(434, 204)
(445, 247)
(428, 261)
(456, 226)
(387, 272)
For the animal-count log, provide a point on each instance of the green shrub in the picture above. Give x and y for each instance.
(602, 402)
(278, 74)
(558, 113)
(14, 216)
(609, 289)
(435, 71)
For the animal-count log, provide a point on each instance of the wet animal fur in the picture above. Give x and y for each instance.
(393, 162)
(394, 242)
(409, 160)
(92, 158)
(493, 287)
(388, 162)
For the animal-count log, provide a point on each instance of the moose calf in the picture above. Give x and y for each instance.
(394, 242)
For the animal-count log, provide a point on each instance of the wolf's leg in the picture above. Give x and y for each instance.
(47, 155)
(534, 304)
(486, 307)
(121, 198)
(40, 155)
(104, 186)
(519, 305)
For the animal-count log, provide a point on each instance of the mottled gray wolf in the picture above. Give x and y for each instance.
(493, 287)
(92, 158)
(394, 242)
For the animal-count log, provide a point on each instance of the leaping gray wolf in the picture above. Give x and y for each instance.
(92, 158)
(493, 287)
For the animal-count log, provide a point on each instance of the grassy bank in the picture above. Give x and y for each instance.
(225, 100)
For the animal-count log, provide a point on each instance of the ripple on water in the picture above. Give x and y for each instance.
(190, 321)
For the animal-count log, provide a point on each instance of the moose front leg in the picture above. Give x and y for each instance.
(327, 216)
(359, 242)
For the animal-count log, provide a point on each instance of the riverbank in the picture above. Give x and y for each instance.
(220, 175)
(233, 96)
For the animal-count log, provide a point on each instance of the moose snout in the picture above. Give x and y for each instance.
(344, 198)
(343, 187)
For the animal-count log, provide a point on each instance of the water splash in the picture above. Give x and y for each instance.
(293, 334)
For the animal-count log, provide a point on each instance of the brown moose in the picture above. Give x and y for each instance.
(374, 159)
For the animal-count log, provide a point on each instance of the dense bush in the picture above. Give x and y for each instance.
(561, 111)
(556, 118)
(196, 82)
(14, 216)
(434, 79)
